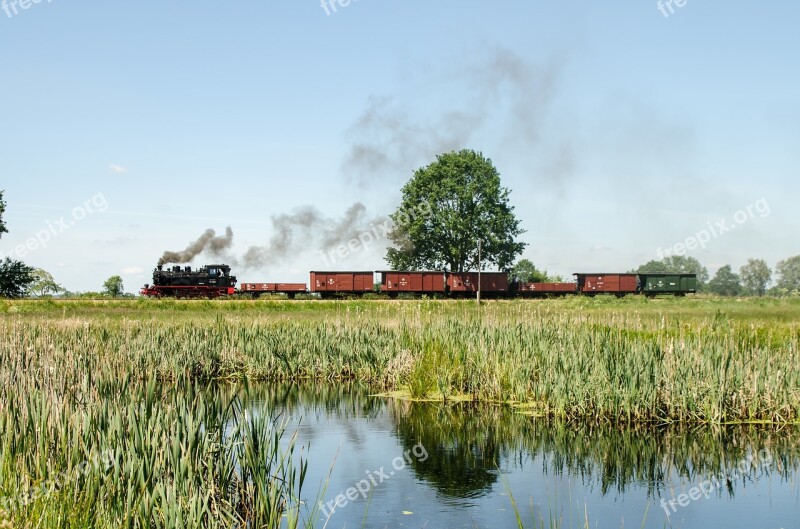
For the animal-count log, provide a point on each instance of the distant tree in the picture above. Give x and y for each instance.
(91, 295)
(755, 276)
(526, 271)
(113, 286)
(650, 266)
(681, 264)
(463, 203)
(15, 278)
(44, 284)
(725, 282)
(788, 272)
(2, 211)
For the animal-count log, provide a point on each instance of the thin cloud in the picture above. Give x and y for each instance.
(117, 169)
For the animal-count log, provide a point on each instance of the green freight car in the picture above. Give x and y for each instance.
(651, 284)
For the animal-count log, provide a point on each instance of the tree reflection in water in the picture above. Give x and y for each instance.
(469, 444)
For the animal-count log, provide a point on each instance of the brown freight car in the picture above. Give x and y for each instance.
(394, 283)
(328, 284)
(257, 289)
(464, 283)
(600, 283)
(544, 289)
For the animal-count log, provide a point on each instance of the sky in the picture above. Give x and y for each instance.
(624, 130)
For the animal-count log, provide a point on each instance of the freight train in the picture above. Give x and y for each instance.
(213, 281)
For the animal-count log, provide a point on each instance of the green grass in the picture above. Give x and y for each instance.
(145, 381)
(630, 360)
(88, 449)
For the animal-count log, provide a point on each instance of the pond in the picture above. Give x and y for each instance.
(378, 462)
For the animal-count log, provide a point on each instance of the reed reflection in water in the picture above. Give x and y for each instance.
(561, 473)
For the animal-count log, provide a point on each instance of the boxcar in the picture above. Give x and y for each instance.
(462, 283)
(331, 283)
(601, 283)
(666, 283)
(394, 283)
(543, 289)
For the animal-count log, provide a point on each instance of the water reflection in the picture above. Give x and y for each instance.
(464, 444)
(468, 442)
(477, 453)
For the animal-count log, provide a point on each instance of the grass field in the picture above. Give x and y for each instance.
(690, 359)
(139, 380)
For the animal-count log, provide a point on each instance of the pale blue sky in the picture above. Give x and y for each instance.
(620, 131)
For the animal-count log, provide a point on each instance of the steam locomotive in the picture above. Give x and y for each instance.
(213, 281)
(210, 281)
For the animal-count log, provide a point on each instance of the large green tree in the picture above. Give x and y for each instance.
(447, 207)
(678, 264)
(755, 276)
(725, 282)
(788, 272)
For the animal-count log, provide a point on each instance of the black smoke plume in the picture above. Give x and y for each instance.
(506, 92)
(293, 233)
(307, 228)
(208, 242)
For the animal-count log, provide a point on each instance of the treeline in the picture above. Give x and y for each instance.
(755, 278)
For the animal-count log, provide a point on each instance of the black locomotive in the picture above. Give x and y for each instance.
(208, 281)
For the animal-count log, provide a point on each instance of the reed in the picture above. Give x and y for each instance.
(608, 365)
(131, 414)
(99, 450)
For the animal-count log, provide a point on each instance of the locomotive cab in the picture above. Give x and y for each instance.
(220, 275)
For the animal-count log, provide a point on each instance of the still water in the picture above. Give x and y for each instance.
(432, 465)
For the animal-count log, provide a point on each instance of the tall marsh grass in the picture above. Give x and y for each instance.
(605, 365)
(148, 388)
(88, 447)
